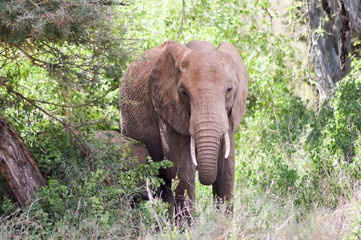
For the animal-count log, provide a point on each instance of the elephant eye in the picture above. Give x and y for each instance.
(229, 89)
(183, 92)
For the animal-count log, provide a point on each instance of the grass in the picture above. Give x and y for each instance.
(286, 187)
(256, 215)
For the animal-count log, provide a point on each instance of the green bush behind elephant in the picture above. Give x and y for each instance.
(138, 154)
(185, 103)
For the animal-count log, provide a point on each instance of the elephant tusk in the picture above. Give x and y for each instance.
(228, 147)
(193, 152)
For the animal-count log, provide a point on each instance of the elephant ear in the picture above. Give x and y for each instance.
(163, 88)
(239, 106)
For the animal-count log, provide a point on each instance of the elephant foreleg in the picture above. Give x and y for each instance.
(224, 184)
(176, 148)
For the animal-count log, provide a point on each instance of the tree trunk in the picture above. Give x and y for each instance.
(353, 8)
(17, 165)
(330, 42)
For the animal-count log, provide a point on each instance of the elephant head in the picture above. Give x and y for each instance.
(201, 93)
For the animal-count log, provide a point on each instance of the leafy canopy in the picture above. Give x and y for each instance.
(68, 54)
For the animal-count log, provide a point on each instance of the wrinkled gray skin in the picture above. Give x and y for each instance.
(173, 93)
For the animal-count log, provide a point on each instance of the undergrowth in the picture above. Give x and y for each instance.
(297, 169)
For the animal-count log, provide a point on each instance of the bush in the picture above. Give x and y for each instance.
(334, 167)
(88, 181)
(293, 165)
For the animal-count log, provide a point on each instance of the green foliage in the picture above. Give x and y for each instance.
(69, 56)
(88, 180)
(345, 125)
(293, 165)
(51, 21)
(332, 145)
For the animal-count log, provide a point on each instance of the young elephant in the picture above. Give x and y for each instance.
(185, 103)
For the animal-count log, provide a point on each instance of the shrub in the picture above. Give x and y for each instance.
(334, 167)
(88, 181)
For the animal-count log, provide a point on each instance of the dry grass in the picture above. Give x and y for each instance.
(257, 217)
(267, 220)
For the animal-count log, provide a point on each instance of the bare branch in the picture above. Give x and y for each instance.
(110, 3)
(183, 19)
(32, 102)
(10, 89)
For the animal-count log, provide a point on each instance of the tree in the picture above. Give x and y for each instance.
(329, 41)
(72, 46)
(74, 43)
(333, 23)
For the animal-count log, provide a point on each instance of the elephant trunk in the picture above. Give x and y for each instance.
(207, 144)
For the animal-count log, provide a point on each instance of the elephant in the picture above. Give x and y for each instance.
(132, 153)
(185, 104)
(124, 144)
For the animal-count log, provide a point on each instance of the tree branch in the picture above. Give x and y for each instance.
(10, 89)
(183, 19)
(32, 102)
(110, 3)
